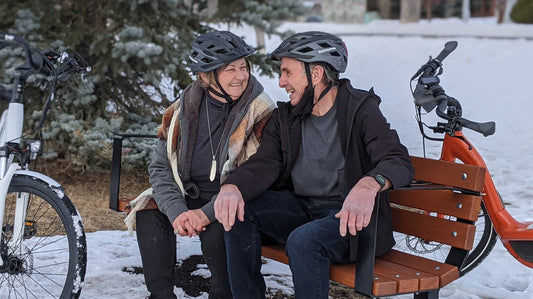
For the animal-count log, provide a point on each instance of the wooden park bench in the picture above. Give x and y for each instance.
(440, 190)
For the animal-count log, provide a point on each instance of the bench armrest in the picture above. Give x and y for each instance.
(116, 165)
(366, 254)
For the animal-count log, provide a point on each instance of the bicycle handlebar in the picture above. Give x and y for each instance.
(428, 94)
(38, 62)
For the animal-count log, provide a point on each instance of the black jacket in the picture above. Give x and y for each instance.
(368, 144)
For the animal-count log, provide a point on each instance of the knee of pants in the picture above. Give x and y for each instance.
(299, 242)
(152, 220)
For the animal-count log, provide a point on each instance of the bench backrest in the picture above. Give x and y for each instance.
(432, 214)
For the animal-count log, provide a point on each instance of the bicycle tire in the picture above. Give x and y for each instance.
(54, 245)
(484, 242)
(483, 245)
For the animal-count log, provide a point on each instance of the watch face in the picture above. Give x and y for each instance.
(380, 179)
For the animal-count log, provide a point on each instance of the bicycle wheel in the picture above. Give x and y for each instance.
(50, 260)
(484, 241)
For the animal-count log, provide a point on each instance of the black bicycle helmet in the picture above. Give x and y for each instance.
(214, 49)
(314, 46)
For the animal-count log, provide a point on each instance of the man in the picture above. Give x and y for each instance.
(324, 157)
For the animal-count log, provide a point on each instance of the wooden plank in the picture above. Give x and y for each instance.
(456, 234)
(383, 286)
(426, 281)
(464, 176)
(445, 202)
(123, 205)
(406, 283)
(446, 273)
(275, 252)
(343, 273)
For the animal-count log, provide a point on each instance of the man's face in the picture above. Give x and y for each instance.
(293, 79)
(234, 78)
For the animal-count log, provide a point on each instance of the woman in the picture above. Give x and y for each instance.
(214, 127)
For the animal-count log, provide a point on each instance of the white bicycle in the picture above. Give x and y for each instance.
(43, 251)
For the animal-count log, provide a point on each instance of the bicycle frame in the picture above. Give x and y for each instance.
(517, 237)
(11, 131)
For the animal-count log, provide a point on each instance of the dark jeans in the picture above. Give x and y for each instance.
(307, 227)
(157, 244)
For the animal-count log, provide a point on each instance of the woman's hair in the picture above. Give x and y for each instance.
(206, 79)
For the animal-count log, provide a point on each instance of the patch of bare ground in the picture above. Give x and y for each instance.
(89, 192)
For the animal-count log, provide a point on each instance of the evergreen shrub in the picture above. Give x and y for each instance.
(522, 12)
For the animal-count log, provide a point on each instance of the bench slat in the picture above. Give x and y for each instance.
(275, 252)
(406, 283)
(344, 273)
(382, 286)
(463, 176)
(426, 281)
(446, 202)
(437, 229)
(446, 273)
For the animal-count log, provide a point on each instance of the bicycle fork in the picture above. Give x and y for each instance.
(20, 212)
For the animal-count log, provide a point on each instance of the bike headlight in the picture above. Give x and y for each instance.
(35, 148)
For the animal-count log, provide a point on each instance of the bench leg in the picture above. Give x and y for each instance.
(434, 294)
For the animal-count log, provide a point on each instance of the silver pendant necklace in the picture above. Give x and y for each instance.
(213, 171)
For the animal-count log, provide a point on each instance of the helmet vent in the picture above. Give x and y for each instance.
(221, 51)
(305, 50)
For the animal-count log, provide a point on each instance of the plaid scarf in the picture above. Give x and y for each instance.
(245, 133)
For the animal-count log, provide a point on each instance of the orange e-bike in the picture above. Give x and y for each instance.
(494, 220)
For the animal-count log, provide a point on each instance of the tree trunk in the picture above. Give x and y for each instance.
(212, 7)
(500, 8)
(428, 6)
(466, 10)
(260, 37)
(384, 8)
(410, 11)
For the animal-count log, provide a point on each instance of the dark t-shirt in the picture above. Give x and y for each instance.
(202, 154)
(320, 163)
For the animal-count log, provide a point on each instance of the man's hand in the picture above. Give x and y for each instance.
(358, 206)
(191, 223)
(182, 225)
(228, 205)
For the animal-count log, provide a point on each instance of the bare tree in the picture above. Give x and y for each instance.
(500, 8)
(410, 11)
(428, 6)
(466, 10)
(384, 8)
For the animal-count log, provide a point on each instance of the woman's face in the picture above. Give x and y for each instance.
(233, 78)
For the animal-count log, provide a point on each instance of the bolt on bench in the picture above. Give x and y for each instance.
(441, 207)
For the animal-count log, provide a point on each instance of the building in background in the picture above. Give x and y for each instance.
(360, 11)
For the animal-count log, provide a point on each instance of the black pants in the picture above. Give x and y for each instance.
(157, 244)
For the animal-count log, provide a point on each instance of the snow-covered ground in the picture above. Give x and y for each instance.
(491, 77)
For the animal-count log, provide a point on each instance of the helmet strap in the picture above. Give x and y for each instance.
(222, 94)
(304, 108)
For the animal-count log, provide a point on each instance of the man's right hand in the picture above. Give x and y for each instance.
(228, 205)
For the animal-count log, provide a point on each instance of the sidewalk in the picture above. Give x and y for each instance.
(451, 27)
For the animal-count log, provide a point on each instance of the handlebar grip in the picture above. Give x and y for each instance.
(449, 47)
(487, 128)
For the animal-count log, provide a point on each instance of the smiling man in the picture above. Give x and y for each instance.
(312, 184)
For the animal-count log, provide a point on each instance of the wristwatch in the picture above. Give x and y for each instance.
(382, 181)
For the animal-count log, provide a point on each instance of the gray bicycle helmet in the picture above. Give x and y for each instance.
(314, 46)
(214, 49)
